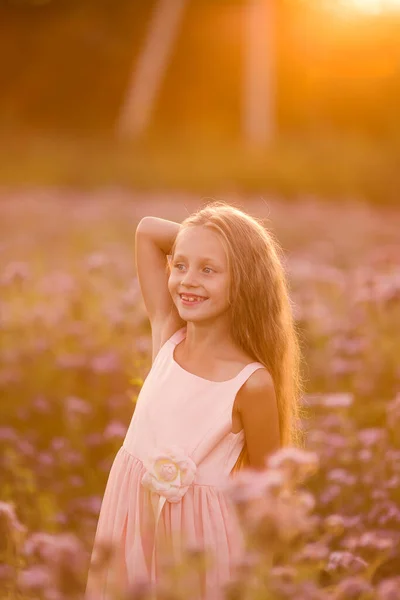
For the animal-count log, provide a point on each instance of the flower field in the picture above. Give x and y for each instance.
(75, 349)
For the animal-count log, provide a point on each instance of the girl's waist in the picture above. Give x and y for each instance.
(208, 474)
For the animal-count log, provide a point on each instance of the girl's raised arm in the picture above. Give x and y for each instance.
(153, 242)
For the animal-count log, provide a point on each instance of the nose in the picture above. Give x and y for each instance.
(188, 280)
(187, 283)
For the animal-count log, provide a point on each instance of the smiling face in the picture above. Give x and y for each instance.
(199, 267)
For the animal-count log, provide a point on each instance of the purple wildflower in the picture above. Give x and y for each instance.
(354, 588)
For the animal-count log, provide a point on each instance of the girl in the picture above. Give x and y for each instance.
(222, 394)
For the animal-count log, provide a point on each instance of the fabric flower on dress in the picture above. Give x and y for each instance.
(169, 472)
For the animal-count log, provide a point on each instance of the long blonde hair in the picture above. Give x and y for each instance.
(262, 321)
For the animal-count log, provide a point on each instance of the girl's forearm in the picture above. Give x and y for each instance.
(161, 231)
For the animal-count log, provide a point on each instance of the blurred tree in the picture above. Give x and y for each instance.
(333, 71)
(259, 73)
(258, 87)
(149, 71)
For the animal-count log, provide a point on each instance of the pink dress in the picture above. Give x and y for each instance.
(180, 419)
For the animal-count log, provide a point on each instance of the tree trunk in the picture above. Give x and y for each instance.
(259, 93)
(152, 64)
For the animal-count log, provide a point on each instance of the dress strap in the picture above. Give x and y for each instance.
(177, 336)
(165, 348)
(245, 373)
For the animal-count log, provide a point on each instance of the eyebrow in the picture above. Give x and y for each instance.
(202, 259)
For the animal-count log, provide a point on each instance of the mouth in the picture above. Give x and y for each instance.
(191, 299)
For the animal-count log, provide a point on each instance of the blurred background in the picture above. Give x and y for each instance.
(288, 96)
(111, 110)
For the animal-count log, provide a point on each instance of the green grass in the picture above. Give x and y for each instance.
(327, 166)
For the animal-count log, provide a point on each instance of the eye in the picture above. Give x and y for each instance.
(177, 265)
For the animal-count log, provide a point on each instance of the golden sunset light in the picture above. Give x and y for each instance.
(371, 6)
(199, 299)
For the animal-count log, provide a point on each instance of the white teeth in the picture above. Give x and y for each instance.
(191, 299)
